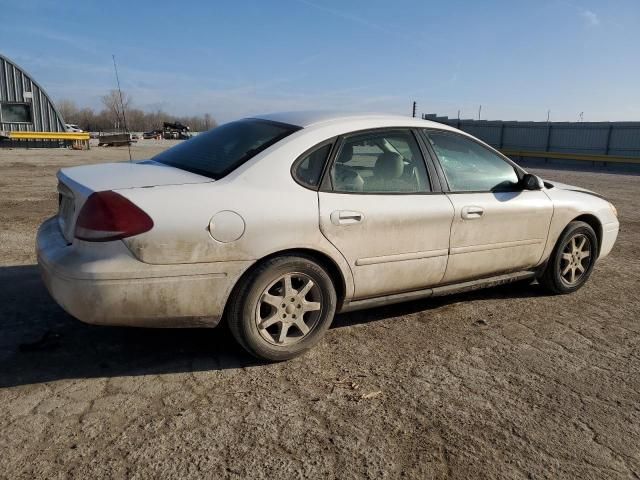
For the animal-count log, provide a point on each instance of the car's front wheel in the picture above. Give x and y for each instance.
(282, 308)
(572, 259)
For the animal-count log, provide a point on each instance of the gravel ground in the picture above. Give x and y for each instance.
(501, 383)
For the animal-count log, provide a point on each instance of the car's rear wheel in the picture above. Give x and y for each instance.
(572, 259)
(282, 308)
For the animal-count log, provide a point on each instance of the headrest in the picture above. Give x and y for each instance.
(353, 183)
(389, 165)
(346, 153)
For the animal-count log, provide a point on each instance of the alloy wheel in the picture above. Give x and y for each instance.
(289, 309)
(575, 259)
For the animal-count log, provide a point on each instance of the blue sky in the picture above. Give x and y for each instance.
(516, 58)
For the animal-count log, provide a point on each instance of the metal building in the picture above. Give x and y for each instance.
(24, 105)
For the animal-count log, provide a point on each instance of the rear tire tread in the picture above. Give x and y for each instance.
(236, 312)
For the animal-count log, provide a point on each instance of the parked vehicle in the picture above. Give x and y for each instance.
(276, 223)
(175, 131)
(72, 127)
(156, 134)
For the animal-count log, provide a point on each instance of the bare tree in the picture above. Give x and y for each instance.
(208, 121)
(111, 118)
(68, 110)
(116, 109)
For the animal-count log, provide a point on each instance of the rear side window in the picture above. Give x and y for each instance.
(309, 168)
(470, 167)
(219, 151)
(380, 162)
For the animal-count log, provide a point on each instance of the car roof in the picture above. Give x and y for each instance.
(306, 119)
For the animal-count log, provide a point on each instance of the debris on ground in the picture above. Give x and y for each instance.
(367, 396)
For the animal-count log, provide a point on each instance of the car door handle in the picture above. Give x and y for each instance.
(472, 212)
(346, 217)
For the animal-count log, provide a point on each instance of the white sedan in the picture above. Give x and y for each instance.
(274, 224)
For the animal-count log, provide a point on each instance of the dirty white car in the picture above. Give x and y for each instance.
(276, 223)
(72, 127)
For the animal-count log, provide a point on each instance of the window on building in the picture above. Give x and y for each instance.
(11, 112)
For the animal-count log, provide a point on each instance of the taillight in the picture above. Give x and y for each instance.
(109, 216)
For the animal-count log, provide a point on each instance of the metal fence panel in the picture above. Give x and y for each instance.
(625, 140)
(525, 137)
(590, 138)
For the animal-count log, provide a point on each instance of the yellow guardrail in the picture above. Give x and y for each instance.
(571, 156)
(49, 135)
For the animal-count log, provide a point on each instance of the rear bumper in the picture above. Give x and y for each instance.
(104, 284)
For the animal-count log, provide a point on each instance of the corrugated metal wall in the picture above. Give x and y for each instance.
(14, 84)
(602, 138)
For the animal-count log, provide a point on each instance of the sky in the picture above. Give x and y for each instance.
(519, 59)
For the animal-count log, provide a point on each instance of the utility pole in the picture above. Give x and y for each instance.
(548, 115)
(414, 110)
(479, 112)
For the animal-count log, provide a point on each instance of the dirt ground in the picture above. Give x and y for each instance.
(500, 383)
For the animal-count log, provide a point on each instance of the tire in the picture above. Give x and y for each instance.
(566, 258)
(265, 304)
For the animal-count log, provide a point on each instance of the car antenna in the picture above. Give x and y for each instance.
(124, 116)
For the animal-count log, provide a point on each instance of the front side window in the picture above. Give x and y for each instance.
(380, 162)
(219, 151)
(15, 112)
(470, 167)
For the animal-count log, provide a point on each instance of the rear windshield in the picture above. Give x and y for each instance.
(219, 151)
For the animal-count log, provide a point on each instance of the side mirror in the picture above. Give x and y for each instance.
(531, 182)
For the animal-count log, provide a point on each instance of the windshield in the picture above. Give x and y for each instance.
(219, 151)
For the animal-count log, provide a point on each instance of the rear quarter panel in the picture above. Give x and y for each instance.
(278, 215)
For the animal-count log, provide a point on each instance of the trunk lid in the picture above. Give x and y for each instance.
(75, 184)
(117, 176)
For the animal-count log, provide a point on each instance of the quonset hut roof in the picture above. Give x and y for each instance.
(24, 105)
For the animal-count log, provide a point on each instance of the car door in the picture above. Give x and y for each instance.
(382, 211)
(498, 226)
